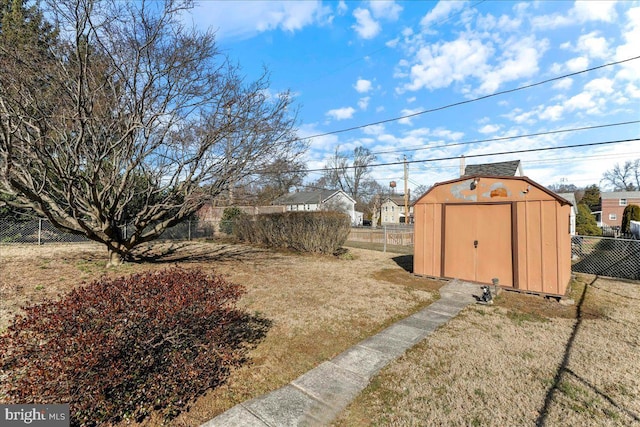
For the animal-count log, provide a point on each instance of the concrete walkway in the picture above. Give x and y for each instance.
(317, 397)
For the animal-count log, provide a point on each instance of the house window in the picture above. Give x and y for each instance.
(623, 202)
(613, 217)
(393, 208)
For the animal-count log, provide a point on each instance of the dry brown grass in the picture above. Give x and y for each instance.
(318, 306)
(523, 361)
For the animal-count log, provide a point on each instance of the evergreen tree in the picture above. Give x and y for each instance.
(631, 213)
(586, 223)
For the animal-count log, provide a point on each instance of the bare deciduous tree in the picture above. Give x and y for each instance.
(624, 177)
(130, 116)
(350, 176)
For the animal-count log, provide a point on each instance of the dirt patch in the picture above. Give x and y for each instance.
(318, 305)
(522, 361)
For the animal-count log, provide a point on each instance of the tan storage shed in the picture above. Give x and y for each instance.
(478, 228)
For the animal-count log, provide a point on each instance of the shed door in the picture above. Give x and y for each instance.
(478, 243)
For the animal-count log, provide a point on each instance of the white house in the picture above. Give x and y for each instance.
(574, 210)
(321, 200)
(392, 211)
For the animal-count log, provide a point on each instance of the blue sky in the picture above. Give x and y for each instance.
(353, 63)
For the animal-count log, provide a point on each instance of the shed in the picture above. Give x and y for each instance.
(478, 228)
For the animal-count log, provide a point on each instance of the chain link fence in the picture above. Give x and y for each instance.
(40, 231)
(606, 256)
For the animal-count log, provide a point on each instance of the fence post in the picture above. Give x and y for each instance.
(189, 230)
(39, 231)
(125, 230)
(384, 247)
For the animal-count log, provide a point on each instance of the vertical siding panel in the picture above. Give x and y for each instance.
(550, 248)
(419, 227)
(534, 234)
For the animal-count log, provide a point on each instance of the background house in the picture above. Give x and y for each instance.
(510, 168)
(213, 214)
(320, 200)
(574, 210)
(613, 204)
(392, 211)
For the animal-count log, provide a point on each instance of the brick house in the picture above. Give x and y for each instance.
(613, 204)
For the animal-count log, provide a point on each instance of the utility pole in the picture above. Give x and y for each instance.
(406, 191)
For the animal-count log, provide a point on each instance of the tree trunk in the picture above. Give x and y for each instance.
(115, 259)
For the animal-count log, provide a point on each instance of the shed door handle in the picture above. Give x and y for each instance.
(475, 243)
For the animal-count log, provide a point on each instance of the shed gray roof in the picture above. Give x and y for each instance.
(509, 168)
(304, 197)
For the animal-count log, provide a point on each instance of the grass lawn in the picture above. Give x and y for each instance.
(524, 361)
(318, 305)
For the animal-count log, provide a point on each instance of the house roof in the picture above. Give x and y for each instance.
(398, 199)
(620, 194)
(307, 197)
(509, 168)
(571, 198)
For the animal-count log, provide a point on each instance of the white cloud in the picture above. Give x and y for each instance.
(363, 103)
(592, 10)
(519, 59)
(342, 7)
(440, 64)
(448, 134)
(630, 70)
(341, 113)
(582, 101)
(374, 130)
(633, 91)
(489, 129)
(362, 86)
(594, 46)
(563, 84)
(582, 11)
(577, 64)
(441, 11)
(386, 9)
(408, 112)
(365, 26)
(601, 85)
(552, 113)
(242, 19)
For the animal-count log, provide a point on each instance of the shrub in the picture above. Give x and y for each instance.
(119, 348)
(229, 218)
(316, 232)
(586, 223)
(631, 213)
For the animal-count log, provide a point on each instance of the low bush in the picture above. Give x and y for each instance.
(316, 232)
(119, 348)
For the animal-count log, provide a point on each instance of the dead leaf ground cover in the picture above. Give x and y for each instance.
(523, 361)
(318, 305)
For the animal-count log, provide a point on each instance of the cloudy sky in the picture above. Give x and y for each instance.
(470, 74)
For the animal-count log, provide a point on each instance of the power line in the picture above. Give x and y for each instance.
(504, 138)
(530, 150)
(468, 101)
